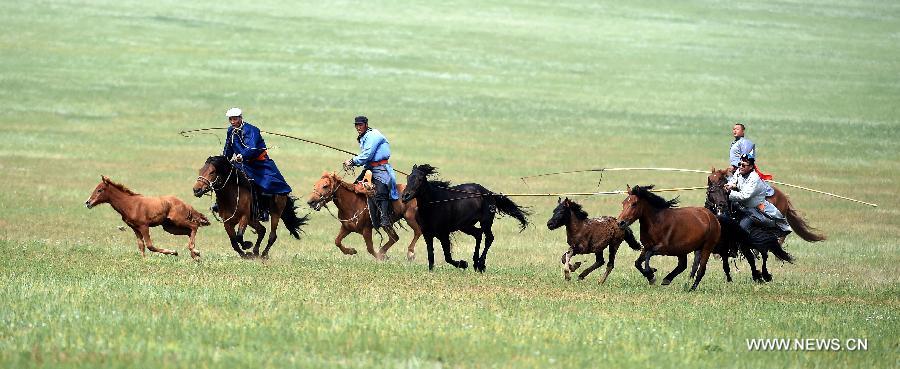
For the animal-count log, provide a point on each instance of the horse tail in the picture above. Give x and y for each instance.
(508, 207)
(291, 221)
(630, 240)
(799, 225)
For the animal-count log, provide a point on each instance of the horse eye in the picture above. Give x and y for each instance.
(633, 205)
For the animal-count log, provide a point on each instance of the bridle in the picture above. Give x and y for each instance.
(325, 199)
(211, 184)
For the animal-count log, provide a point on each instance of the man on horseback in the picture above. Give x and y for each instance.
(244, 146)
(747, 189)
(374, 154)
(743, 146)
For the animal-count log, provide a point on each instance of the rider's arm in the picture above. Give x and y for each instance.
(254, 144)
(369, 146)
(746, 190)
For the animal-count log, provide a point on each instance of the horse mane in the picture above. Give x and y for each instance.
(120, 186)
(220, 163)
(643, 192)
(428, 170)
(579, 212)
(339, 180)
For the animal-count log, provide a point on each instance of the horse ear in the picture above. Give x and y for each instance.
(712, 170)
(325, 173)
(104, 178)
(559, 200)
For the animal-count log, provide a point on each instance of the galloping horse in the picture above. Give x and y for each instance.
(784, 205)
(354, 215)
(234, 198)
(444, 210)
(666, 230)
(589, 236)
(759, 239)
(141, 213)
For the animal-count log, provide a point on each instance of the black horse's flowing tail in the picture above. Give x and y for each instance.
(291, 221)
(799, 225)
(766, 239)
(630, 240)
(508, 207)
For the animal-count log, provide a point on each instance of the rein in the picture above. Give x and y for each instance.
(212, 186)
(325, 200)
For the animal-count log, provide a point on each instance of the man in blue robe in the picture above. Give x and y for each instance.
(244, 146)
(373, 156)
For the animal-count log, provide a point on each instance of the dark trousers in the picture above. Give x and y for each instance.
(754, 217)
(380, 205)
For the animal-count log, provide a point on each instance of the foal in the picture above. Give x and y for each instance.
(589, 236)
(141, 213)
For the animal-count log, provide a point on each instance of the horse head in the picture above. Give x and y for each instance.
(416, 181)
(563, 213)
(323, 191)
(212, 175)
(716, 196)
(642, 200)
(100, 194)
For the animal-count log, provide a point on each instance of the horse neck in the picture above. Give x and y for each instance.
(346, 199)
(120, 200)
(227, 196)
(574, 226)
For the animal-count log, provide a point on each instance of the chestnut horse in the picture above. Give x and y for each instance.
(233, 197)
(589, 236)
(354, 215)
(671, 231)
(141, 213)
(782, 202)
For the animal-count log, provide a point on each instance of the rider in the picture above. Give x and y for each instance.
(743, 146)
(746, 189)
(374, 154)
(244, 146)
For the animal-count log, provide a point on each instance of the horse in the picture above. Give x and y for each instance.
(142, 213)
(444, 210)
(784, 205)
(734, 238)
(589, 236)
(671, 231)
(354, 215)
(234, 197)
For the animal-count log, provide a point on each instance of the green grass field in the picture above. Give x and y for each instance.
(485, 92)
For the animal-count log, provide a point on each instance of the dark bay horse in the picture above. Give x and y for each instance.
(589, 236)
(141, 213)
(353, 213)
(671, 231)
(734, 238)
(784, 205)
(233, 197)
(444, 210)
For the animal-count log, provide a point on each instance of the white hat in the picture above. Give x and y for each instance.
(233, 112)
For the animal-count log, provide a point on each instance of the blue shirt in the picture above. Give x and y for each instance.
(740, 147)
(374, 147)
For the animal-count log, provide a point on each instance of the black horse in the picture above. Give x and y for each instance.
(734, 238)
(444, 209)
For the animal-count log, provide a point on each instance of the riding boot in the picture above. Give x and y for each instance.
(384, 207)
(374, 213)
(264, 201)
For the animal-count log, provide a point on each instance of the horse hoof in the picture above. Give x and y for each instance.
(666, 282)
(463, 264)
(247, 245)
(410, 256)
(767, 277)
(174, 253)
(350, 252)
(652, 280)
(575, 266)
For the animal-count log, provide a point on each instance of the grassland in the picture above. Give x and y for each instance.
(485, 92)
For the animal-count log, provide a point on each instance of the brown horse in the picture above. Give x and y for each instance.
(141, 213)
(781, 201)
(666, 230)
(589, 236)
(233, 197)
(353, 213)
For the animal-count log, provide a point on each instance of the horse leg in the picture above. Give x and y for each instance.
(417, 232)
(765, 271)
(647, 267)
(274, 217)
(145, 231)
(488, 241)
(234, 239)
(475, 232)
(566, 263)
(695, 264)
(242, 228)
(140, 241)
(370, 246)
(429, 247)
(704, 257)
(393, 237)
(612, 262)
(637, 265)
(448, 256)
(343, 232)
(682, 265)
(751, 259)
(194, 253)
(260, 233)
(598, 262)
(726, 268)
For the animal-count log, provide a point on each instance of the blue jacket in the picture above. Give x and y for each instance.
(248, 142)
(373, 147)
